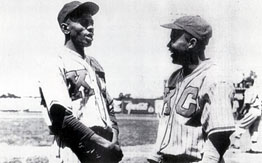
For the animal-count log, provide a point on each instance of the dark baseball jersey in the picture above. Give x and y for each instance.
(195, 106)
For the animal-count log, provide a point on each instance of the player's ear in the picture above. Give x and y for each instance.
(65, 28)
(192, 43)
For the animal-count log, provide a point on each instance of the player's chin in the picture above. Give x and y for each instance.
(175, 60)
(87, 44)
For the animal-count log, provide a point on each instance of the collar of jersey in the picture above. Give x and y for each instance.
(205, 64)
(75, 54)
(202, 65)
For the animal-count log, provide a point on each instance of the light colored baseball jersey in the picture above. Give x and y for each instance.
(251, 116)
(79, 85)
(195, 107)
(252, 97)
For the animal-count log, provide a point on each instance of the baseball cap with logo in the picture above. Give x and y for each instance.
(68, 8)
(194, 25)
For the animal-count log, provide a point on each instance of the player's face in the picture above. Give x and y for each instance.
(178, 46)
(82, 31)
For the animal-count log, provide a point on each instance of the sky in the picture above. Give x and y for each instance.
(129, 42)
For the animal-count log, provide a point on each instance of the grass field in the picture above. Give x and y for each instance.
(28, 131)
(33, 131)
(137, 132)
(26, 139)
(25, 132)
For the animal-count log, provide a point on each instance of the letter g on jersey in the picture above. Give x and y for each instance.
(187, 103)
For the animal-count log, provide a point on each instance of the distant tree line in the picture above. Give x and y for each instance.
(9, 95)
(123, 96)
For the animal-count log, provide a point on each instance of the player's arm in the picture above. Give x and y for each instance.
(249, 99)
(54, 94)
(62, 118)
(113, 149)
(64, 121)
(80, 132)
(217, 119)
(104, 143)
(245, 108)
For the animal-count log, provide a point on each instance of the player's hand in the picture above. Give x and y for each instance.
(116, 153)
(155, 158)
(112, 149)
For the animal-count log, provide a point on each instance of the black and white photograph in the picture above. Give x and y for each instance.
(138, 81)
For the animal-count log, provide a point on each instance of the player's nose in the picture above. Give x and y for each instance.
(168, 44)
(90, 30)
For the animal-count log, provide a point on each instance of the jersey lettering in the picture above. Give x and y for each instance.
(168, 102)
(187, 103)
(76, 80)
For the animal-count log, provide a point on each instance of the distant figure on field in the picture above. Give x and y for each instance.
(251, 117)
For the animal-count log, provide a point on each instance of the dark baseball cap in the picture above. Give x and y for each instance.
(194, 25)
(68, 8)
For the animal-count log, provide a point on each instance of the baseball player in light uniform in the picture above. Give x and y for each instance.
(251, 119)
(197, 118)
(75, 95)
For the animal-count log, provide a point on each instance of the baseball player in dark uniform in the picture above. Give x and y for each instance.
(196, 120)
(75, 95)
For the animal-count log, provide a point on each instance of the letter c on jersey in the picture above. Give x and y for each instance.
(187, 104)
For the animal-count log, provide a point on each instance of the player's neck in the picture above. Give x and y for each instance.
(188, 69)
(80, 50)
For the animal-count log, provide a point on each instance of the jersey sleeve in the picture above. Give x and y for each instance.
(252, 97)
(217, 113)
(53, 87)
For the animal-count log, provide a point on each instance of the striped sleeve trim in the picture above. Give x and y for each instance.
(221, 129)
